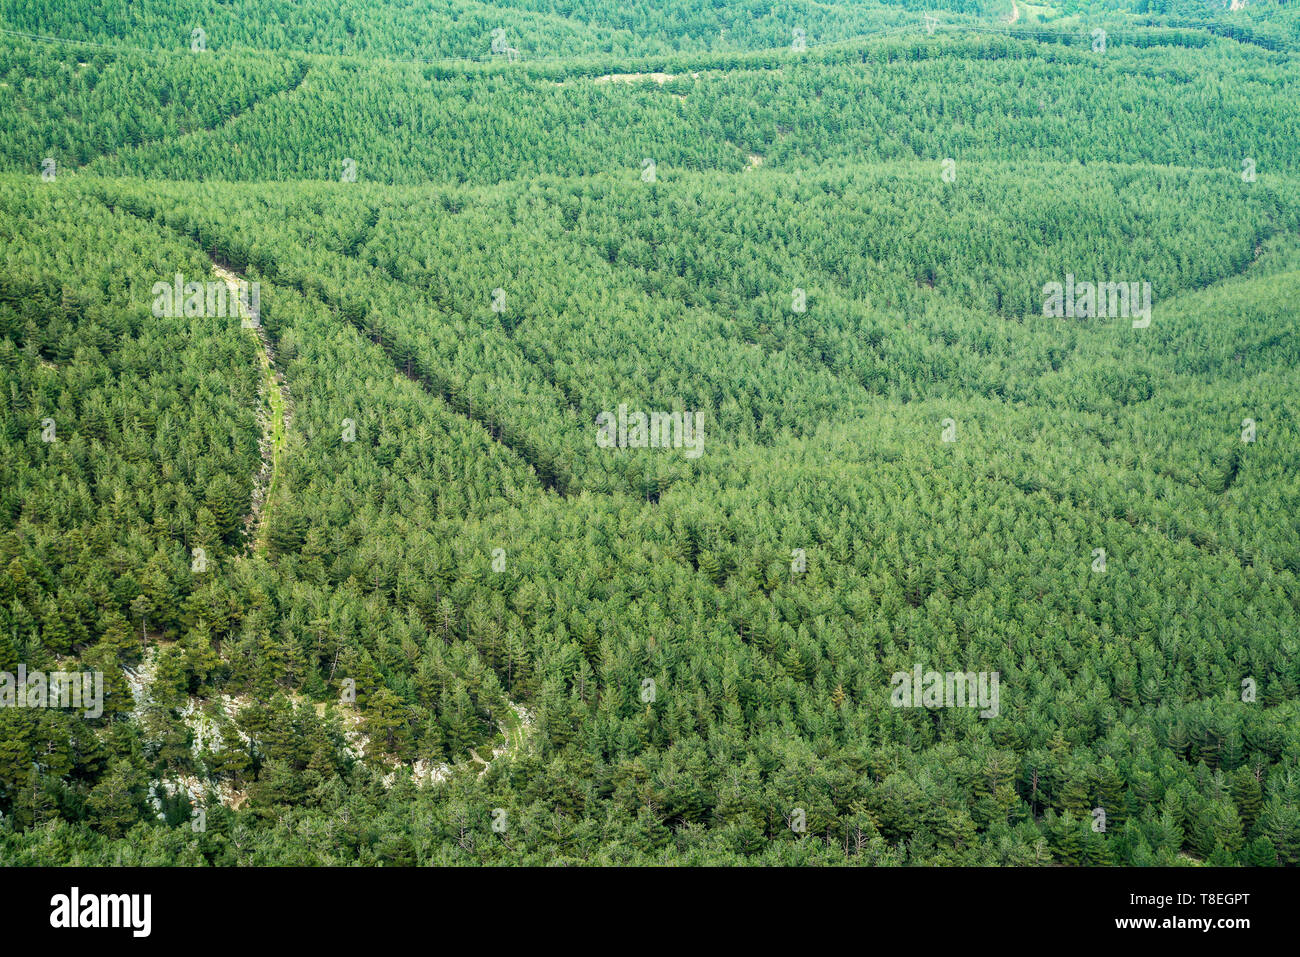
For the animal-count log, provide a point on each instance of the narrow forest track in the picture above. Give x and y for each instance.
(225, 122)
(275, 423)
(515, 727)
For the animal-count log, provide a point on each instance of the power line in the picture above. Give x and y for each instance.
(45, 39)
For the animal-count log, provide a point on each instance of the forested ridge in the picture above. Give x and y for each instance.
(457, 627)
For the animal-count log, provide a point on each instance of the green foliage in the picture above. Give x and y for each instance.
(459, 609)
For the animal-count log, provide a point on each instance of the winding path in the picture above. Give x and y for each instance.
(276, 427)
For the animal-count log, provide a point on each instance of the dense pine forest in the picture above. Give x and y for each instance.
(634, 405)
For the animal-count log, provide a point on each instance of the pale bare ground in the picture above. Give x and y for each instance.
(660, 78)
